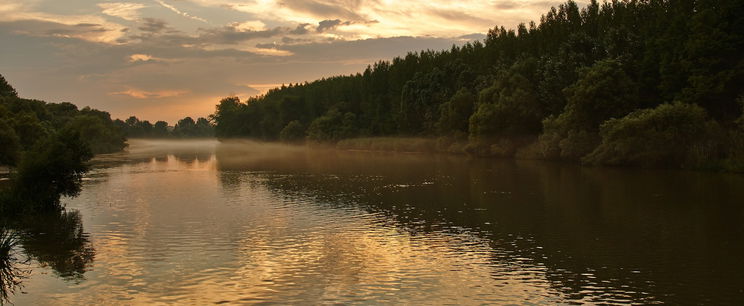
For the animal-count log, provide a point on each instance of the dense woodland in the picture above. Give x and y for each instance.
(185, 128)
(645, 83)
(46, 146)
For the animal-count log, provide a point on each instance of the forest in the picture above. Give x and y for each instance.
(133, 127)
(653, 83)
(46, 147)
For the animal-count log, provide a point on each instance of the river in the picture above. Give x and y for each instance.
(203, 222)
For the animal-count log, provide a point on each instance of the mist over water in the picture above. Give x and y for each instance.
(201, 222)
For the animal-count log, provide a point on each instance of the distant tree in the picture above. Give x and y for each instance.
(510, 107)
(11, 144)
(132, 121)
(6, 90)
(29, 129)
(604, 91)
(97, 136)
(331, 127)
(160, 129)
(227, 117)
(185, 127)
(294, 131)
(47, 146)
(456, 112)
(204, 128)
(144, 128)
(54, 167)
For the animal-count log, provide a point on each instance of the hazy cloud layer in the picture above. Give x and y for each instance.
(165, 59)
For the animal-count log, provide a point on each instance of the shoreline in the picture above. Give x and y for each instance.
(418, 145)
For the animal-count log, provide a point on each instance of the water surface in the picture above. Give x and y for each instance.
(198, 222)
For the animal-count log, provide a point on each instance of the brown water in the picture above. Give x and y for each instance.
(197, 222)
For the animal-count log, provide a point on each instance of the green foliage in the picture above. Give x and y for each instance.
(47, 146)
(11, 144)
(10, 275)
(160, 129)
(420, 98)
(29, 129)
(332, 127)
(185, 128)
(509, 108)
(6, 90)
(673, 135)
(293, 132)
(99, 134)
(603, 91)
(53, 167)
(455, 113)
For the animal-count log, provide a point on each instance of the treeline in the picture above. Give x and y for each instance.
(185, 128)
(647, 83)
(46, 146)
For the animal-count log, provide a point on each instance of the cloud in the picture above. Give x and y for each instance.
(89, 29)
(301, 29)
(365, 51)
(325, 10)
(138, 57)
(143, 94)
(153, 25)
(330, 25)
(471, 37)
(263, 88)
(230, 35)
(252, 25)
(457, 16)
(123, 10)
(270, 51)
(179, 12)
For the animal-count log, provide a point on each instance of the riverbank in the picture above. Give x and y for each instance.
(521, 149)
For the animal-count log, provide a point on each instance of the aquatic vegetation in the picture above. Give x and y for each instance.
(11, 275)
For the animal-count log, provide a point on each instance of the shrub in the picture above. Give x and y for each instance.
(670, 135)
(53, 168)
(332, 126)
(294, 131)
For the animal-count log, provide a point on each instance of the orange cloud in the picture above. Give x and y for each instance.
(142, 94)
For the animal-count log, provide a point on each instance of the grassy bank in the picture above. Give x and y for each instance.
(701, 158)
(402, 144)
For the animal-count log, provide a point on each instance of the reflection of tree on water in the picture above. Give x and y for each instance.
(54, 239)
(58, 241)
(190, 158)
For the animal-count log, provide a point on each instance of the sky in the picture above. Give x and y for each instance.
(167, 59)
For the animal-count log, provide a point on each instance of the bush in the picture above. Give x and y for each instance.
(54, 167)
(100, 135)
(292, 132)
(603, 91)
(332, 126)
(510, 107)
(11, 144)
(670, 135)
